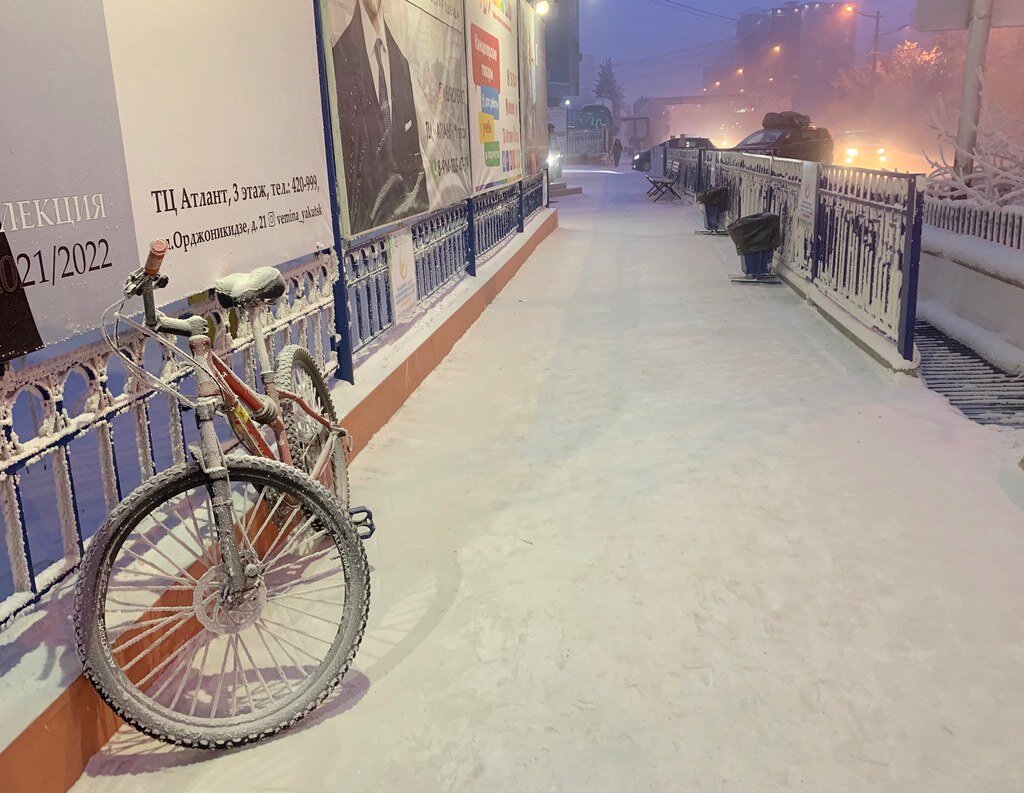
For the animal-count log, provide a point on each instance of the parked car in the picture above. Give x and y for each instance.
(809, 142)
(862, 149)
(642, 161)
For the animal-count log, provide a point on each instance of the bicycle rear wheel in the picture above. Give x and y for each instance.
(169, 653)
(298, 373)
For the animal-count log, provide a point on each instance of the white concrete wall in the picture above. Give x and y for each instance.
(966, 298)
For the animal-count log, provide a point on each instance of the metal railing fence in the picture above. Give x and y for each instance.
(864, 247)
(367, 273)
(1001, 225)
(79, 432)
(441, 244)
(533, 196)
(496, 217)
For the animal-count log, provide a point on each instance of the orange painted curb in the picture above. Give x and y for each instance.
(51, 753)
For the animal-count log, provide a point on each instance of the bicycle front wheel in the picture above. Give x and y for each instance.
(179, 658)
(307, 438)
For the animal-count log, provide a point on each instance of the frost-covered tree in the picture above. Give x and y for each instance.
(997, 178)
(608, 87)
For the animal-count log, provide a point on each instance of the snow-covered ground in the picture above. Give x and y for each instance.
(645, 530)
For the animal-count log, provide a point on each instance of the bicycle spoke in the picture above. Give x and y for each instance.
(307, 614)
(256, 668)
(293, 629)
(280, 671)
(219, 663)
(208, 554)
(220, 685)
(199, 680)
(162, 624)
(268, 564)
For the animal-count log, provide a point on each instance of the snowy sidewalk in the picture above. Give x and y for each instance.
(645, 530)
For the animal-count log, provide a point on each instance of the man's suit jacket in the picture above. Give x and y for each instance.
(380, 188)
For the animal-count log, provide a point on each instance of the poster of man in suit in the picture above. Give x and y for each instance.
(400, 77)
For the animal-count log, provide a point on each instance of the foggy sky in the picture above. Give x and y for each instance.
(629, 29)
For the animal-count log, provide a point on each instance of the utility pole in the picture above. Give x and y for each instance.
(875, 52)
(970, 105)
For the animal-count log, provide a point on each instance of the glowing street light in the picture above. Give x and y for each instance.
(739, 72)
(777, 49)
(542, 7)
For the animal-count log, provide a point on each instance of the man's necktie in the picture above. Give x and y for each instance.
(385, 102)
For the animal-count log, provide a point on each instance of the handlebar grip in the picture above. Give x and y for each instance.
(157, 250)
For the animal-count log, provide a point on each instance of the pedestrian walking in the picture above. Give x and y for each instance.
(617, 151)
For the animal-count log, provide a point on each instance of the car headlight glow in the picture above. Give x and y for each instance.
(852, 152)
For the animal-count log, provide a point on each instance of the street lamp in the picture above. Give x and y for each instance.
(542, 7)
(877, 16)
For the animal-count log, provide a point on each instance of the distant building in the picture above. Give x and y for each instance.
(563, 51)
(791, 53)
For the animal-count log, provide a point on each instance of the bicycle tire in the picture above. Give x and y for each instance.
(296, 360)
(121, 694)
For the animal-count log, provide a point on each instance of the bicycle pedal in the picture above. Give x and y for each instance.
(362, 521)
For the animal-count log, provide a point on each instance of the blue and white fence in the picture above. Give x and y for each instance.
(78, 432)
(864, 248)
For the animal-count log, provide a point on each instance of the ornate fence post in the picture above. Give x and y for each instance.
(522, 206)
(471, 238)
(911, 266)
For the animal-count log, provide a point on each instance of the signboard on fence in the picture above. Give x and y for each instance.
(807, 205)
(492, 28)
(935, 16)
(533, 89)
(113, 146)
(402, 261)
(404, 146)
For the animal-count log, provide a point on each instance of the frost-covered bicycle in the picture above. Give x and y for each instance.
(224, 599)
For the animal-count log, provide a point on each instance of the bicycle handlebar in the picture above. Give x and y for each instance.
(157, 250)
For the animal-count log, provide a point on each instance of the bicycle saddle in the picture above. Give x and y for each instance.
(262, 285)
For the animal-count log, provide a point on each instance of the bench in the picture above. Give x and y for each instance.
(663, 185)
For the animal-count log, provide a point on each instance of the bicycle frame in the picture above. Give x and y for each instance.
(219, 389)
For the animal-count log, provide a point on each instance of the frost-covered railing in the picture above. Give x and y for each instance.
(533, 195)
(1002, 225)
(441, 245)
(864, 248)
(496, 217)
(367, 273)
(767, 184)
(868, 247)
(79, 433)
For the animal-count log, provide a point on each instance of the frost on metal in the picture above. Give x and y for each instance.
(310, 306)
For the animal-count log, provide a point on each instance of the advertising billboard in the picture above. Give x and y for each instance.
(492, 32)
(533, 90)
(400, 80)
(125, 137)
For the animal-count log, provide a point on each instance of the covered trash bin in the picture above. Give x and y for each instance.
(716, 203)
(755, 237)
